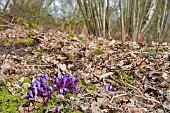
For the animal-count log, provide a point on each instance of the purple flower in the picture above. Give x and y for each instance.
(46, 76)
(41, 90)
(39, 78)
(82, 90)
(56, 109)
(52, 81)
(34, 91)
(64, 85)
(57, 80)
(30, 95)
(49, 88)
(45, 102)
(109, 87)
(43, 81)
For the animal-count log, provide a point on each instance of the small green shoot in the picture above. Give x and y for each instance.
(152, 53)
(53, 101)
(39, 49)
(98, 51)
(71, 57)
(126, 77)
(89, 87)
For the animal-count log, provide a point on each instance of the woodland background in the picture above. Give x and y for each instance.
(137, 20)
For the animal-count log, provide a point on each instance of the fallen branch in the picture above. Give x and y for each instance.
(140, 96)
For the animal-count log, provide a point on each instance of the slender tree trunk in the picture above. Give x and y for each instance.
(6, 5)
(122, 20)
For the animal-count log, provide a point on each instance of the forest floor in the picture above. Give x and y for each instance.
(140, 74)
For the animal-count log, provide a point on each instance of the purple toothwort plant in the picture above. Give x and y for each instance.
(109, 87)
(40, 88)
(64, 84)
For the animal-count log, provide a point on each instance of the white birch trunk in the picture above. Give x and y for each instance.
(150, 14)
(122, 20)
(104, 19)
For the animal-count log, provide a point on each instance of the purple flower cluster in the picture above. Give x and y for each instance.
(63, 85)
(40, 88)
(66, 84)
(109, 87)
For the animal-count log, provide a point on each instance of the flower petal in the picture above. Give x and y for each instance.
(46, 76)
(108, 87)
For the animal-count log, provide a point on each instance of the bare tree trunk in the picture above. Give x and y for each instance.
(6, 5)
(122, 20)
(104, 19)
(96, 14)
(150, 15)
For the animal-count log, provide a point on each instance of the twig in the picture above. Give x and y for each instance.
(117, 96)
(140, 96)
(7, 26)
(38, 65)
(151, 99)
(128, 85)
(4, 58)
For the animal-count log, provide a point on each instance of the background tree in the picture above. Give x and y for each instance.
(97, 15)
(137, 20)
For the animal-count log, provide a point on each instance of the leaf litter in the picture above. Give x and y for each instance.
(139, 74)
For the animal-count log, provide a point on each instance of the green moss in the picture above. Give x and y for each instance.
(18, 90)
(98, 51)
(27, 41)
(1, 28)
(160, 48)
(40, 50)
(8, 103)
(20, 21)
(20, 83)
(89, 87)
(53, 100)
(51, 103)
(6, 44)
(31, 33)
(35, 26)
(25, 101)
(71, 36)
(41, 108)
(26, 80)
(81, 85)
(26, 25)
(67, 109)
(77, 111)
(117, 77)
(71, 57)
(81, 37)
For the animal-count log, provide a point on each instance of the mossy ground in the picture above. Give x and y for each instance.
(10, 102)
(26, 41)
